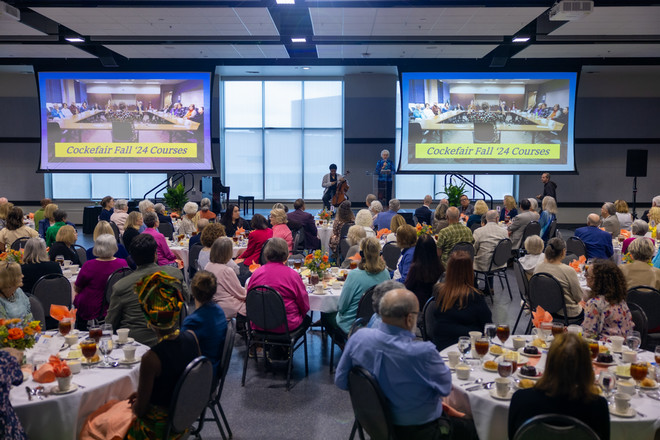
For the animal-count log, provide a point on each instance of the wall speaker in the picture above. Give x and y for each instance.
(636, 163)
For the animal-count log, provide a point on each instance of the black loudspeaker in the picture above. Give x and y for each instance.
(636, 163)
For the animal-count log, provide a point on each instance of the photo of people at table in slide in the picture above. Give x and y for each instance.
(488, 122)
(126, 121)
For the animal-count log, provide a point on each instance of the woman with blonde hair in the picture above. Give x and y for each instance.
(132, 228)
(48, 220)
(354, 237)
(64, 240)
(36, 263)
(548, 214)
(363, 218)
(4, 212)
(13, 302)
(623, 214)
(440, 217)
(279, 220)
(396, 222)
(510, 209)
(480, 209)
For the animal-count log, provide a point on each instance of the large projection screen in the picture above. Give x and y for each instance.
(487, 122)
(119, 121)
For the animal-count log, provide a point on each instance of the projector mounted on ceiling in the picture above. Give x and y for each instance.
(8, 11)
(570, 10)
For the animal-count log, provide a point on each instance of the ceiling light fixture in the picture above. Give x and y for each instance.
(520, 39)
(299, 40)
(285, 2)
(75, 39)
(306, 68)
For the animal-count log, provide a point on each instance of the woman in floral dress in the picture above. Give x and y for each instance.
(10, 374)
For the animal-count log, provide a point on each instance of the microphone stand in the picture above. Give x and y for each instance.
(634, 212)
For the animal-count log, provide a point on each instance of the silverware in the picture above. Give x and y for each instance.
(29, 392)
(473, 388)
(641, 414)
(476, 382)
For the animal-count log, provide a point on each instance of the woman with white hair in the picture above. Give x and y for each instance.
(356, 234)
(205, 209)
(160, 212)
(375, 208)
(534, 256)
(120, 215)
(639, 229)
(638, 272)
(384, 171)
(189, 220)
(92, 278)
(363, 218)
(144, 207)
(36, 263)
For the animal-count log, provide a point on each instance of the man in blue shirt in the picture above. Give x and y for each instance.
(597, 242)
(384, 219)
(411, 374)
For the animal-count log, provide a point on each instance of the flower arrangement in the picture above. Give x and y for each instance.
(317, 262)
(627, 259)
(18, 333)
(575, 264)
(382, 232)
(12, 255)
(423, 229)
(325, 215)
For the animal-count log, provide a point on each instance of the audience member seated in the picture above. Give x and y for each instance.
(440, 217)
(165, 256)
(92, 278)
(48, 220)
(36, 263)
(256, 240)
(377, 294)
(460, 307)
(533, 255)
(371, 271)
(384, 219)
(39, 214)
(623, 214)
(555, 252)
(610, 220)
(598, 243)
(232, 220)
(124, 310)
(131, 228)
(120, 215)
(423, 213)
(425, 270)
(108, 205)
(197, 238)
(639, 272)
(205, 209)
(14, 229)
(5, 207)
(509, 210)
(103, 227)
(279, 220)
(285, 281)
(654, 216)
(411, 375)
(356, 234)
(160, 212)
(395, 224)
(639, 229)
(63, 245)
(208, 321)
(566, 387)
(344, 215)
(208, 237)
(548, 215)
(306, 221)
(188, 224)
(364, 219)
(452, 234)
(518, 224)
(375, 208)
(654, 203)
(406, 239)
(229, 294)
(466, 208)
(486, 239)
(606, 312)
(480, 209)
(10, 375)
(13, 302)
(60, 217)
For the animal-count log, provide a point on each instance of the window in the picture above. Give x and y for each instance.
(280, 136)
(95, 186)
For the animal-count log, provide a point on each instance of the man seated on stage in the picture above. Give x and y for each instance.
(598, 243)
(384, 219)
(424, 213)
(306, 220)
(330, 182)
(519, 222)
(452, 234)
(412, 376)
(655, 202)
(610, 220)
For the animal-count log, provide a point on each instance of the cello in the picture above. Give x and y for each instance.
(342, 189)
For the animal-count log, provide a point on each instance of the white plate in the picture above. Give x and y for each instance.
(631, 412)
(494, 395)
(650, 388)
(522, 376)
(520, 350)
(73, 388)
(604, 364)
(522, 360)
(127, 362)
(128, 341)
(612, 370)
(494, 370)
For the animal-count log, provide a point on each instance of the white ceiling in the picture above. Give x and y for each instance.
(307, 71)
(164, 21)
(615, 20)
(41, 51)
(199, 51)
(11, 28)
(421, 21)
(612, 50)
(403, 51)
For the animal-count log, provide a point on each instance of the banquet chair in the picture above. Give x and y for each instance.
(428, 318)
(82, 253)
(545, 291)
(186, 406)
(344, 229)
(115, 230)
(344, 246)
(523, 289)
(299, 240)
(193, 256)
(365, 306)
(497, 266)
(265, 309)
(219, 381)
(552, 229)
(37, 310)
(370, 406)
(648, 299)
(576, 247)
(19, 243)
(112, 279)
(357, 325)
(641, 325)
(475, 226)
(52, 289)
(166, 229)
(463, 246)
(391, 254)
(550, 426)
(532, 228)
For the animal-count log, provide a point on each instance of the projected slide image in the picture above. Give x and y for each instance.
(100, 121)
(487, 124)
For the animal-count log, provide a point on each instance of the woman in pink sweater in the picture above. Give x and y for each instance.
(280, 229)
(229, 295)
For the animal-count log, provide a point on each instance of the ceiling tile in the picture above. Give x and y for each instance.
(377, 51)
(42, 51)
(13, 28)
(590, 51)
(199, 51)
(615, 20)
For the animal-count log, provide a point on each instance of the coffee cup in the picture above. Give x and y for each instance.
(336, 285)
(67, 273)
(122, 335)
(129, 352)
(474, 335)
(502, 386)
(518, 342)
(74, 366)
(629, 356)
(64, 383)
(67, 263)
(622, 402)
(318, 289)
(463, 371)
(617, 343)
(575, 329)
(453, 358)
(71, 339)
(625, 387)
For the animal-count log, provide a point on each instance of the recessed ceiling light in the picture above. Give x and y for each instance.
(285, 2)
(299, 40)
(306, 68)
(75, 39)
(520, 39)
(125, 82)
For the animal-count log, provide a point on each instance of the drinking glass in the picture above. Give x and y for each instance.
(504, 368)
(657, 356)
(464, 344)
(607, 382)
(95, 331)
(65, 326)
(638, 371)
(490, 330)
(594, 348)
(59, 259)
(105, 347)
(88, 348)
(512, 357)
(546, 329)
(503, 332)
(106, 330)
(314, 279)
(634, 340)
(481, 346)
(297, 263)
(557, 328)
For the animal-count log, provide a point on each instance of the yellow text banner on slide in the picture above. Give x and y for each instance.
(487, 151)
(119, 150)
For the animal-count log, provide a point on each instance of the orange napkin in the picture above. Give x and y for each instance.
(240, 231)
(451, 412)
(45, 374)
(60, 367)
(540, 316)
(31, 216)
(625, 233)
(575, 264)
(582, 259)
(111, 421)
(58, 312)
(356, 257)
(254, 266)
(382, 232)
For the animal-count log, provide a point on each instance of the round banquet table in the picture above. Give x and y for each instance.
(182, 252)
(62, 416)
(491, 415)
(326, 303)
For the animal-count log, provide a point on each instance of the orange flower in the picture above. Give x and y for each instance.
(309, 258)
(418, 227)
(15, 333)
(325, 258)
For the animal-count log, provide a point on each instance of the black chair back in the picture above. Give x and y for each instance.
(81, 252)
(475, 226)
(532, 228)
(265, 308)
(344, 229)
(357, 325)
(299, 240)
(648, 299)
(344, 246)
(193, 256)
(641, 322)
(225, 360)
(391, 254)
(186, 406)
(552, 229)
(463, 246)
(52, 289)
(370, 405)
(553, 426)
(19, 243)
(521, 279)
(545, 291)
(115, 230)
(365, 307)
(37, 309)
(112, 279)
(501, 254)
(166, 229)
(576, 247)
(428, 318)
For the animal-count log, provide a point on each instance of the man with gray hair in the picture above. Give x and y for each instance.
(610, 220)
(519, 223)
(378, 293)
(384, 219)
(412, 376)
(655, 202)
(452, 234)
(486, 239)
(638, 272)
(598, 243)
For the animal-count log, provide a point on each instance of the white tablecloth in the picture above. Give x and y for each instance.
(62, 416)
(491, 416)
(324, 303)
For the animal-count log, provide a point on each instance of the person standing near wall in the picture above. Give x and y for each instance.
(549, 187)
(384, 171)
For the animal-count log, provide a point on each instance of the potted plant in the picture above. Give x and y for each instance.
(453, 193)
(175, 197)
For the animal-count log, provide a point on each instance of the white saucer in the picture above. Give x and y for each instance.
(127, 362)
(73, 388)
(631, 412)
(490, 370)
(127, 341)
(520, 350)
(494, 395)
(649, 388)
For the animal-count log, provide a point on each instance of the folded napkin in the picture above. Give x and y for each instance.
(111, 421)
(356, 257)
(540, 316)
(240, 231)
(31, 216)
(625, 233)
(254, 266)
(58, 312)
(60, 367)
(382, 232)
(45, 374)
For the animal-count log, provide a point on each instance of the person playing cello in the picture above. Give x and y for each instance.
(330, 183)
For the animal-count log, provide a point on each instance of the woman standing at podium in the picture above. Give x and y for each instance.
(384, 171)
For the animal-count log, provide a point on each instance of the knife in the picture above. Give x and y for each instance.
(29, 393)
